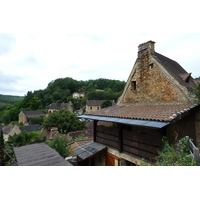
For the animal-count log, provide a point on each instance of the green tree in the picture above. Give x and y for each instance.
(65, 120)
(61, 145)
(24, 138)
(197, 92)
(106, 104)
(37, 120)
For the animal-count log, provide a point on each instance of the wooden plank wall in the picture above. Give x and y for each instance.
(107, 136)
(141, 142)
(184, 127)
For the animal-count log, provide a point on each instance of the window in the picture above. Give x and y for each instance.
(97, 108)
(151, 66)
(133, 85)
(90, 108)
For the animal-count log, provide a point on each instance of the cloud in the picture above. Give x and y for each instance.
(6, 43)
(9, 84)
(33, 60)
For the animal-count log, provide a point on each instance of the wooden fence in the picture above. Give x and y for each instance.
(194, 151)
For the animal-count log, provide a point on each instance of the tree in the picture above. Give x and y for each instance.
(106, 103)
(37, 120)
(65, 120)
(24, 138)
(61, 145)
(197, 92)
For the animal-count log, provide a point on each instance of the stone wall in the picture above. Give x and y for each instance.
(150, 83)
(22, 118)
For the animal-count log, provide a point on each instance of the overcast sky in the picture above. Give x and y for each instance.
(89, 40)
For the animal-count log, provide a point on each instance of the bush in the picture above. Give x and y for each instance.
(60, 144)
(169, 156)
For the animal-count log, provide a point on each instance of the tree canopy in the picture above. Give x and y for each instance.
(63, 120)
(59, 91)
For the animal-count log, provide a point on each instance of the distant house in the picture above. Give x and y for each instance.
(12, 129)
(157, 101)
(93, 105)
(25, 116)
(78, 95)
(57, 106)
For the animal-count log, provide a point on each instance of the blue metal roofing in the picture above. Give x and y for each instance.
(136, 122)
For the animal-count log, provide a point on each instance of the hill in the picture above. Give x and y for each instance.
(6, 100)
(61, 90)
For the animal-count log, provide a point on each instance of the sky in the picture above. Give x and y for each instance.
(40, 42)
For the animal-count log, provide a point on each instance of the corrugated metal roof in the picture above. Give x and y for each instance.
(39, 154)
(146, 123)
(88, 150)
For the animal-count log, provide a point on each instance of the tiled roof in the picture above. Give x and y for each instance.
(80, 143)
(33, 113)
(35, 127)
(165, 113)
(7, 129)
(94, 102)
(39, 154)
(58, 106)
(175, 70)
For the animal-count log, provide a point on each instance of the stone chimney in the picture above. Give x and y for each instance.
(147, 46)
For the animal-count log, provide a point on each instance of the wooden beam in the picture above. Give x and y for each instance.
(95, 130)
(120, 136)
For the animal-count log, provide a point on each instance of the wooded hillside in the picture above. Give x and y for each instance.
(6, 100)
(61, 90)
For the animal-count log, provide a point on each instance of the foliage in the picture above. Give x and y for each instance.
(61, 145)
(170, 157)
(80, 137)
(24, 138)
(17, 140)
(197, 92)
(3, 105)
(36, 120)
(1, 139)
(106, 104)
(9, 99)
(58, 91)
(65, 120)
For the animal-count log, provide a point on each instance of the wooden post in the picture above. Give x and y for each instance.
(120, 137)
(196, 154)
(95, 130)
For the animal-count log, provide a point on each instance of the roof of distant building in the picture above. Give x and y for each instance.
(35, 127)
(96, 102)
(39, 154)
(33, 113)
(58, 106)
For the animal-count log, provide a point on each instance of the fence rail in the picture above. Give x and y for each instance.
(194, 151)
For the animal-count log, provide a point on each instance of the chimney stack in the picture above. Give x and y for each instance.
(147, 46)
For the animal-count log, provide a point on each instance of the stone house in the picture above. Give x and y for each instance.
(57, 106)
(78, 95)
(93, 105)
(12, 129)
(157, 102)
(25, 116)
